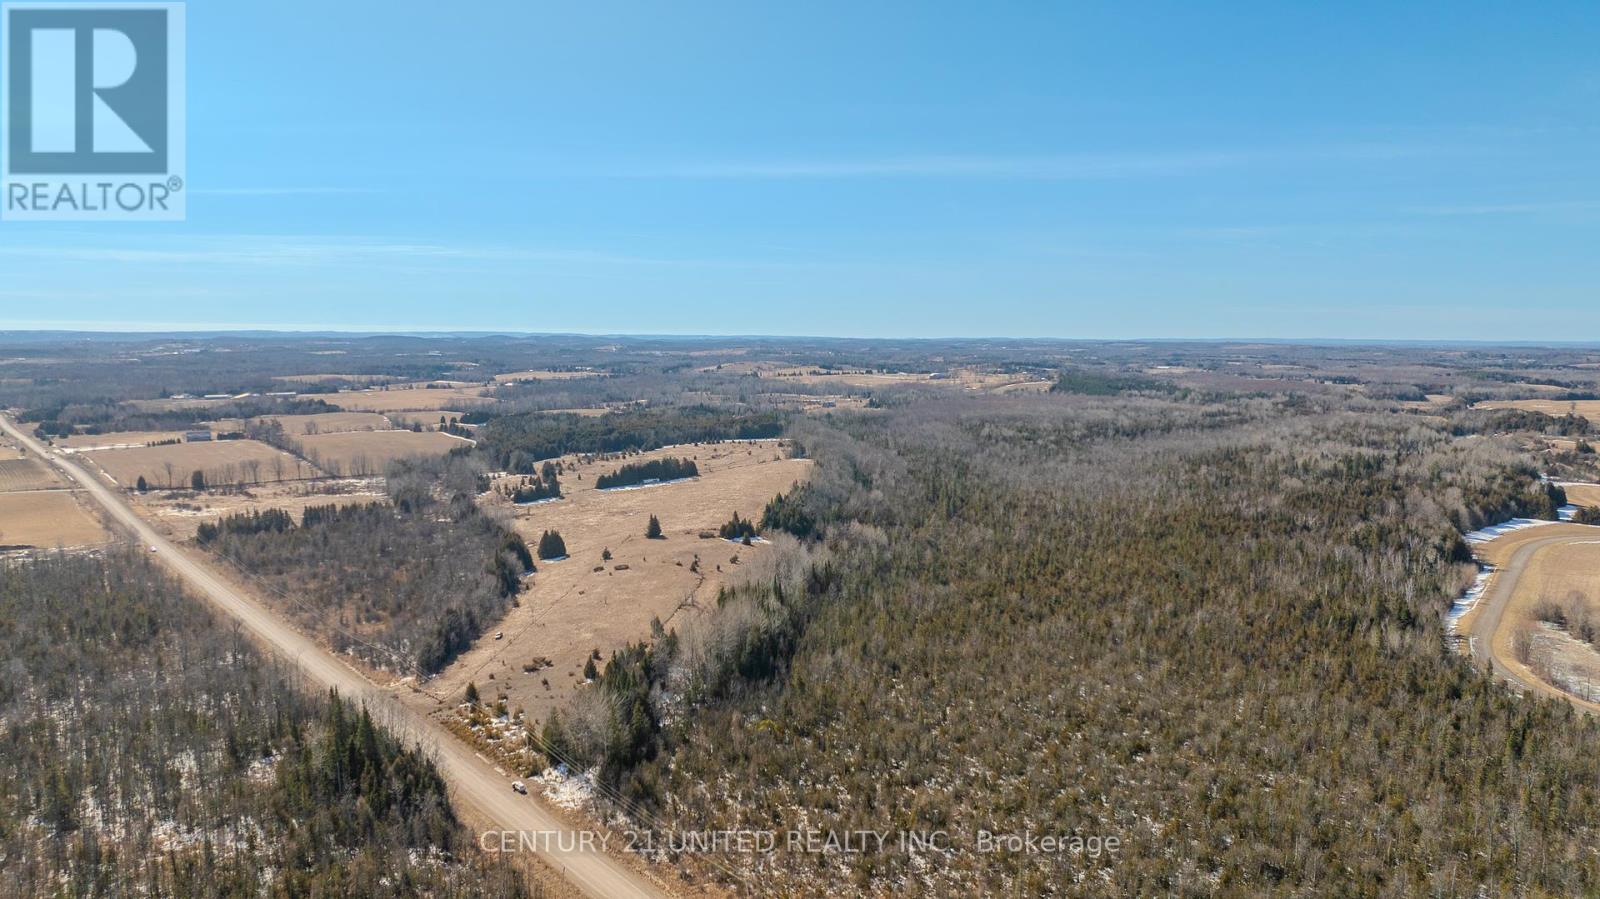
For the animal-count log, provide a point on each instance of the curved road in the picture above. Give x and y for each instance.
(1491, 610)
(474, 782)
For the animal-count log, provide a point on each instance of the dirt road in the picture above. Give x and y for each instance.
(1489, 633)
(474, 782)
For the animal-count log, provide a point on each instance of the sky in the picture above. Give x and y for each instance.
(917, 169)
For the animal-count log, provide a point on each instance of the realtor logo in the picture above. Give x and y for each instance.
(92, 111)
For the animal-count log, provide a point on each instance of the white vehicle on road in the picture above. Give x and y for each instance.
(520, 787)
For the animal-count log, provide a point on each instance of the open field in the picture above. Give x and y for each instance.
(1586, 408)
(116, 440)
(359, 453)
(224, 462)
(47, 519)
(408, 399)
(330, 422)
(1583, 494)
(572, 609)
(1557, 563)
(26, 474)
(520, 376)
(178, 515)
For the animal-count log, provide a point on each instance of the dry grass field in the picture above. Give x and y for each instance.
(573, 609)
(330, 422)
(1583, 494)
(408, 399)
(225, 462)
(1586, 408)
(47, 519)
(1565, 574)
(362, 453)
(26, 474)
(115, 440)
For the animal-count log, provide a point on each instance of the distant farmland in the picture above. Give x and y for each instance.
(47, 519)
(121, 439)
(26, 474)
(329, 422)
(409, 399)
(1586, 408)
(363, 453)
(224, 462)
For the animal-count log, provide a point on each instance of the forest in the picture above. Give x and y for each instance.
(150, 750)
(1213, 631)
(399, 585)
(518, 443)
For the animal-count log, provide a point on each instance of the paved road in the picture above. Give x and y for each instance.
(1491, 610)
(475, 785)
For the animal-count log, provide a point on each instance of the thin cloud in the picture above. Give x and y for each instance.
(1076, 167)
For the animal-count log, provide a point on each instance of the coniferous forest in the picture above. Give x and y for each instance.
(1210, 630)
(150, 750)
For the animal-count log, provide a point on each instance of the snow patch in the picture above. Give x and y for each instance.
(570, 791)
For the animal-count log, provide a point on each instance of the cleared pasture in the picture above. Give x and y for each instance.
(116, 440)
(47, 519)
(1583, 494)
(409, 399)
(364, 453)
(224, 462)
(572, 608)
(26, 474)
(1586, 408)
(330, 422)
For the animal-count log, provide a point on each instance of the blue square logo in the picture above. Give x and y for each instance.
(92, 112)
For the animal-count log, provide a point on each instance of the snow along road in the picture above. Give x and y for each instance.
(474, 783)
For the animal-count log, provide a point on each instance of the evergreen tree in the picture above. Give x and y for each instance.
(652, 531)
(737, 528)
(551, 546)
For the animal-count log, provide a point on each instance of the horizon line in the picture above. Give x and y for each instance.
(215, 331)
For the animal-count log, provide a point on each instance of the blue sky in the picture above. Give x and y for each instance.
(1359, 170)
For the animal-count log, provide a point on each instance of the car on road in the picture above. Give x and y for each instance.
(519, 787)
(499, 635)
